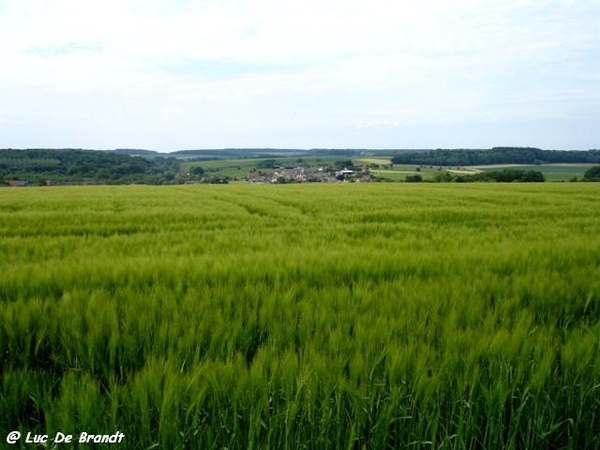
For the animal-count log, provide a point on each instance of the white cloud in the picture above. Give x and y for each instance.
(252, 70)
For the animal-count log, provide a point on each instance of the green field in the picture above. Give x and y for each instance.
(339, 316)
(231, 168)
(401, 171)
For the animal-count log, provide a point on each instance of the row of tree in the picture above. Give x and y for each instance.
(496, 155)
(38, 166)
(500, 176)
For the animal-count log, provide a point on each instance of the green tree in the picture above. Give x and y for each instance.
(443, 177)
(413, 178)
(592, 174)
(344, 164)
(533, 176)
(197, 170)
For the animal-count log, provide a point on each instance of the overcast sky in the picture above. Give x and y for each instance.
(187, 74)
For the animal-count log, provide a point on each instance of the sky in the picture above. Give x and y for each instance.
(168, 75)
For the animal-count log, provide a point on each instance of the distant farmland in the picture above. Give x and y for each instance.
(303, 316)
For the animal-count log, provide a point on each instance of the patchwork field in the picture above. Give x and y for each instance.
(352, 316)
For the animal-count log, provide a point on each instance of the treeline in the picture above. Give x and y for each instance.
(496, 155)
(500, 176)
(41, 166)
(240, 153)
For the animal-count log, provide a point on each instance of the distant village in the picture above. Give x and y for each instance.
(301, 173)
(271, 172)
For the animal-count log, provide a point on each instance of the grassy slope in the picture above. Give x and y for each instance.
(323, 316)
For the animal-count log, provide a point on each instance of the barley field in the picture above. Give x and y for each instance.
(347, 316)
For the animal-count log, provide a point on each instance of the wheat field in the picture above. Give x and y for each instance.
(348, 316)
